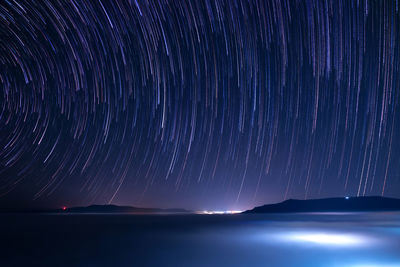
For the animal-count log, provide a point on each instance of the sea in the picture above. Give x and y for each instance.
(308, 239)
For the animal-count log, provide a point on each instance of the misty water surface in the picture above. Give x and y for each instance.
(342, 240)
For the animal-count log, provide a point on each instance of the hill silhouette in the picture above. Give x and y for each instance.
(118, 209)
(344, 204)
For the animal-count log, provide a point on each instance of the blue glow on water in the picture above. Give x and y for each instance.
(324, 239)
(287, 240)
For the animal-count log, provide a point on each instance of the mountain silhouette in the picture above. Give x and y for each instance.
(344, 204)
(118, 209)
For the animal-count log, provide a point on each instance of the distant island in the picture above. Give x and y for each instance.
(344, 204)
(100, 209)
(118, 209)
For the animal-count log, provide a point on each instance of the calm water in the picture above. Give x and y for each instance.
(338, 240)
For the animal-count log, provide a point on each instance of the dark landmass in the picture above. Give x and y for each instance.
(119, 209)
(100, 209)
(348, 204)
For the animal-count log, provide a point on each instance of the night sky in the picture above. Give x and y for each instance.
(206, 104)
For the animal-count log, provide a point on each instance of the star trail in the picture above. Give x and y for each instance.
(198, 104)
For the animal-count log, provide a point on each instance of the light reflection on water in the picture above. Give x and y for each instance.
(270, 240)
(324, 239)
(368, 264)
(332, 240)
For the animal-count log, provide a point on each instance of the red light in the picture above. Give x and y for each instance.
(64, 208)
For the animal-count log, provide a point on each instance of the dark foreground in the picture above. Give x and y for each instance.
(345, 240)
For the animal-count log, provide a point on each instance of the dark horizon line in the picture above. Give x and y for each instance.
(156, 209)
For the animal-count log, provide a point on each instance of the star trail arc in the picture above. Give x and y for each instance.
(204, 101)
